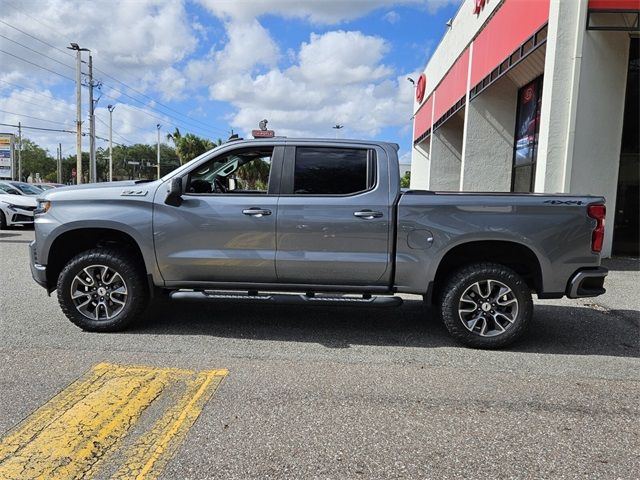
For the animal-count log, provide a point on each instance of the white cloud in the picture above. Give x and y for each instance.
(339, 77)
(342, 57)
(392, 17)
(315, 11)
(135, 42)
(336, 77)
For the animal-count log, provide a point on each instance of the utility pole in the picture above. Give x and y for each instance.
(59, 166)
(76, 47)
(337, 128)
(111, 108)
(19, 151)
(158, 152)
(93, 177)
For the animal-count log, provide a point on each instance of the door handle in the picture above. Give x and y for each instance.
(256, 212)
(367, 214)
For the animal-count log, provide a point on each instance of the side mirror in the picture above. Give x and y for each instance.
(174, 196)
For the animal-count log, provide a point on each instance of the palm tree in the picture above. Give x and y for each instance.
(175, 137)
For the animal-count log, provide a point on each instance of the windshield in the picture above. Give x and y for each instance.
(184, 167)
(28, 189)
(4, 188)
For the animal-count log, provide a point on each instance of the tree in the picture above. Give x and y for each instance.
(405, 181)
(255, 174)
(36, 160)
(190, 146)
(175, 137)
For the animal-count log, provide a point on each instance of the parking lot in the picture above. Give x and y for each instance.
(255, 391)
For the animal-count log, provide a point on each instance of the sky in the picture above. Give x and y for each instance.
(211, 66)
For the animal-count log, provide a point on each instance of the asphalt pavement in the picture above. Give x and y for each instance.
(335, 393)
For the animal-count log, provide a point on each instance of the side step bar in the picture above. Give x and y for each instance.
(288, 299)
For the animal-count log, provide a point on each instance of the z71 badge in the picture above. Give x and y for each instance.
(133, 193)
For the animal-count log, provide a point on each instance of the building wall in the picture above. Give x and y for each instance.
(599, 118)
(446, 155)
(420, 165)
(464, 28)
(488, 158)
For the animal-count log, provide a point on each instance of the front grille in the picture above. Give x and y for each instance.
(22, 218)
(29, 209)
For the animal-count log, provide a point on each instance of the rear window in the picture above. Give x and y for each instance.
(332, 171)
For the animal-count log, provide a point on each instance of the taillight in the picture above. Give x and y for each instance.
(597, 211)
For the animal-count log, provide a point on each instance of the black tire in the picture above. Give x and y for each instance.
(132, 273)
(3, 221)
(485, 332)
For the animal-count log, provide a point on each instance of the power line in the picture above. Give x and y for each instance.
(191, 125)
(152, 99)
(163, 119)
(34, 118)
(36, 51)
(38, 128)
(191, 119)
(21, 100)
(36, 38)
(29, 90)
(114, 132)
(36, 65)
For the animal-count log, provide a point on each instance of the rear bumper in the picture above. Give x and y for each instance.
(587, 282)
(38, 272)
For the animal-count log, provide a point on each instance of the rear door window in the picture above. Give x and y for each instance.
(333, 171)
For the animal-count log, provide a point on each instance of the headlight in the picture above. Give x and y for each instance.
(43, 207)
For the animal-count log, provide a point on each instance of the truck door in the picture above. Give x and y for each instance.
(334, 216)
(224, 230)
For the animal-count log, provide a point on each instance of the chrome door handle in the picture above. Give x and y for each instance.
(256, 212)
(367, 214)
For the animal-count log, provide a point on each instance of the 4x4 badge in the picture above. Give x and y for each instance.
(564, 202)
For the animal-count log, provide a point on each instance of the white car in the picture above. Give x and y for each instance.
(16, 210)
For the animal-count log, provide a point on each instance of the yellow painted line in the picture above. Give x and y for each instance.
(73, 434)
(154, 449)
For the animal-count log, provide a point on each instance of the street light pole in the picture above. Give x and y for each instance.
(59, 163)
(76, 47)
(93, 175)
(111, 108)
(19, 151)
(158, 151)
(337, 128)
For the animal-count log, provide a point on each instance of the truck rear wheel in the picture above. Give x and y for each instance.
(103, 290)
(486, 305)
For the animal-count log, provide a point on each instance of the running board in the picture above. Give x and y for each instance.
(288, 299)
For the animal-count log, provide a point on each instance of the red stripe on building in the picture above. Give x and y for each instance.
(614, 4)
(511, 26)
(453, 86)
(423, 118)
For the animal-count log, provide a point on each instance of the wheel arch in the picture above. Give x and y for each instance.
(71, 242)
(517, 256)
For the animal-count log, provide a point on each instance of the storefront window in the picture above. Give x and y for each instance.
(525, 149)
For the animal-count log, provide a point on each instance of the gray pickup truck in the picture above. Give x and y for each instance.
(318, 222)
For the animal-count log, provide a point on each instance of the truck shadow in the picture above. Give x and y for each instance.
(554, 330)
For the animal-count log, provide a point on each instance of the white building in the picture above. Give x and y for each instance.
(536, 96)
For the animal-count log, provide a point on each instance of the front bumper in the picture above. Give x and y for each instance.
(38, 272)
(19, 216)
(587, 282)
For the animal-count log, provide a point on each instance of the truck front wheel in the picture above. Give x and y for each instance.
(486, 305)
(102, 290)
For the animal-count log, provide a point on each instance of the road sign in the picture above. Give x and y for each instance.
(6, 155)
